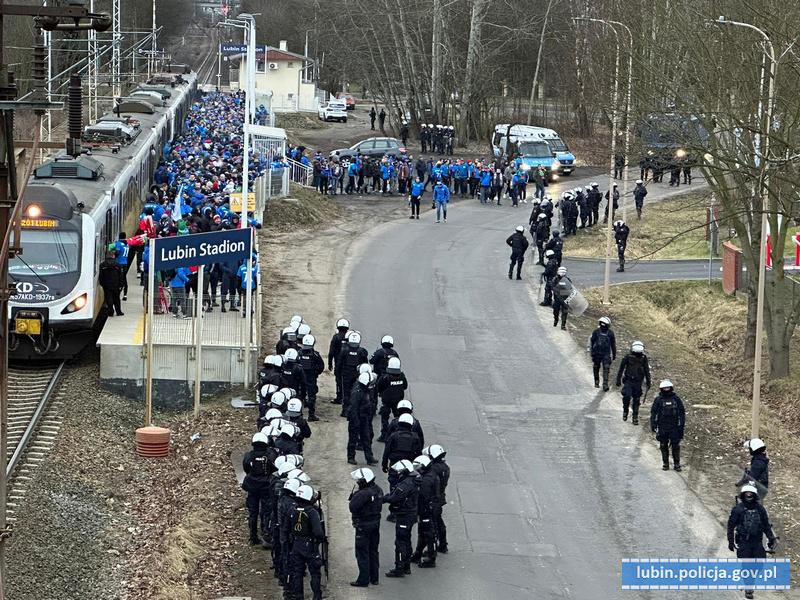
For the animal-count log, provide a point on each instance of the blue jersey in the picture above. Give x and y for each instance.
(122, 252)
(417, 188)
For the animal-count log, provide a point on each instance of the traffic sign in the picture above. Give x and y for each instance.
(202, 249)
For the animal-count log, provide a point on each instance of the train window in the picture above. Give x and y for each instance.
(109, 226)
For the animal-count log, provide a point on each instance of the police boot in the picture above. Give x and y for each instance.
(312, 416)
(253, 523)
(635, 419)
(605, 378)
(509, 273)
(398, 570)
(223, 309)
(676, 457)
(665, 459)
(748, 594)
(415, 558)
(624, 415)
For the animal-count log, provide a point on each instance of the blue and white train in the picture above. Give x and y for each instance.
(76, 206)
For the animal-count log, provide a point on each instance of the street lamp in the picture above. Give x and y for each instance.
(614, 128)
(762, 152)
(628, 113)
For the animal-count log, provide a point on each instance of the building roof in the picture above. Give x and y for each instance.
(276, 54)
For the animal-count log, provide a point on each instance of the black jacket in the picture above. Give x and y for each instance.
(335, 348)
(292, 376)
(402, 444)
(312, 364)
(394, 425)
(380, 358)
(366, 504)
(348, 361)
(758, 471)
(403, 499)
(442, 471)
(603, 344)
(361, 405)
(518, 243)
(634, 368)
(392, 388)
(660, 419)
(110, 275)
(737, 521)
(430, 494)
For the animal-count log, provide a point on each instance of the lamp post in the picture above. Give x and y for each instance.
(762, 153)
(628, 112)
(614, 129)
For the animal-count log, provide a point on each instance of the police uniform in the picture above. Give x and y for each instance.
(366, 505)
(667, 420)
(391, 388)
(307, 533)
(312, 364)
(347, 365)
(402, 502)
(258, 466)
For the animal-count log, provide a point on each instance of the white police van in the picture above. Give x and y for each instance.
(535, 146)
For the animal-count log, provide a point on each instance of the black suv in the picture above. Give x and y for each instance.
(372, 147)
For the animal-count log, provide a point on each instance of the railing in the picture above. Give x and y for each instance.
(300, 173)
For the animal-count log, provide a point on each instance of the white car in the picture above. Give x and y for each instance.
(335, 110)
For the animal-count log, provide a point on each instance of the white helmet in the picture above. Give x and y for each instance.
(288, 392)
(299, 474)
(577, 190)
(562, 270)
(305, 492)
(373, 377)
(542, 216)
(406, 418)
(278, 399)
(604, 321)
(363, 474)
(260, 438)
(280, 460)
(284, 468)
(268, 359)
(393, 366)
(595, 184)
(294, 407)
(614, 184)
(292, 485)
(277, 360)
(665, 383)
(639, 182)
(297, 459)
(435, 451)
(364, 379)
(387, 339)
(303, 330)
(637, 347)
(343, 323)
(354, 338)
(405, 404)
(749, 488)
(422, 462)
(520, 228)
(753, 445)
(403, 466)
(290, 355)
(272, 413)
(549, 253)
(430, 124)
(309, 341)
(297, 319)
(267, 389)
(588, 187)
(288, 429)
(271, 430)
(290, 333)
(619, 223)
(364, 368)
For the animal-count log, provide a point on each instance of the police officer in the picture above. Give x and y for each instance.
(583, 207)
(307, 533)
(594, 198)
(286, 505)
(351, 356)
(556, 244)
(428, 503)
(334, 350)
(258, 467)
(312, 364)
(381, 356)
(613, 193)
(405, 407)
(633, 371)
(540, 232)
(748, 523)
(402, 501)
(276, 482)
(359, 418)
(667, 420)
(366, 504)
(391, 387)
(621, 232)
(292, 374)
(547, 277)
(562, 288)
(519, 245)
(603, 349)
(271, 371)
(442, 471)
(639, 193)
(288, 340)
(288, 441)
(294, 414)
(759, 466)
(402, 444)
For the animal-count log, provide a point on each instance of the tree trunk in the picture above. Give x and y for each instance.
(468, 107)
(436, 61)
(750, 326)
(538, 61)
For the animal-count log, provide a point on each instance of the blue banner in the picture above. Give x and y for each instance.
(230, 49)
(202, 249)
(705, 573)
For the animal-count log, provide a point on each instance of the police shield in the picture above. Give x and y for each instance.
(577, 303)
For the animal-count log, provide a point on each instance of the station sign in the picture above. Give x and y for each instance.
(230, 49)
(202, 248)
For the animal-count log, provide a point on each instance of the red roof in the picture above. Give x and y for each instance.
(273, 54)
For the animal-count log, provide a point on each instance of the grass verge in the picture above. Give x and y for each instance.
(303, 208)
(694, 335)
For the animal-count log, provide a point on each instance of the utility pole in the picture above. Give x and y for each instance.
(437, 59)
(91, 69)
(76, 18)
(116, 28)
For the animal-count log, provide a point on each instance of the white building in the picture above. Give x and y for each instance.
(285, 81)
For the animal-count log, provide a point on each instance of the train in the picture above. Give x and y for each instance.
(76, 204)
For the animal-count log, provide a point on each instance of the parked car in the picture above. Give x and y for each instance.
(349, 101)
(377, 146)
(334, 110)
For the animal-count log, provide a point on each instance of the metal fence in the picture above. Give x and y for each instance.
(300, 173)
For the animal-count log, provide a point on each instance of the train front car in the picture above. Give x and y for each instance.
(53, 308)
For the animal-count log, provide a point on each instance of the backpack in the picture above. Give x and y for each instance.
(634, 370)
(750, 528)
(602, 344)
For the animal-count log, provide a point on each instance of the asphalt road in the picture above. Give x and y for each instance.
(549, 488)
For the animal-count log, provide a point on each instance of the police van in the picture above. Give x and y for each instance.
(534, 146)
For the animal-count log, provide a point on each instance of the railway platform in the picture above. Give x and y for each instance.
(223, 337)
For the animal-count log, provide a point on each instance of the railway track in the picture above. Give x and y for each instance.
(34, 420)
